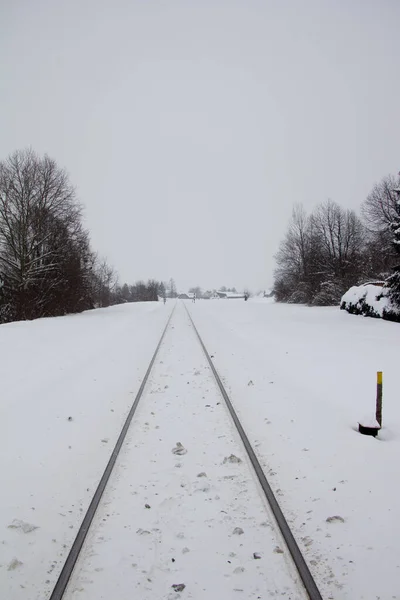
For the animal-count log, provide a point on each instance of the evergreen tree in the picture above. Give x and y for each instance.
(394, 279)
(125, 293)
(172, 293)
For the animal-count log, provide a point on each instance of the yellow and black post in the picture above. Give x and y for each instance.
(379, 385)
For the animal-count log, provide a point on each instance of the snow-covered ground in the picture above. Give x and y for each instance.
(85, 367)
(183, 506)
(299, 378)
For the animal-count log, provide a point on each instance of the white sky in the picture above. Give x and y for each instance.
(190, 127)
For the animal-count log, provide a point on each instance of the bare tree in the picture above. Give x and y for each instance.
(320, 256)
(379, 209)
(40, 226)
(105, 283)
(342, 237)
(197, 291)
(297, 251)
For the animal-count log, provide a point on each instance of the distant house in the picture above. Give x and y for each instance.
(186, 296)
(229, 295)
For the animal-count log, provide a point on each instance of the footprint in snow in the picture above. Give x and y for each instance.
(335, 519)
(14, 564)
(307, 541)
(203, 488)
(239, 570)
(232, 459)
(179, 449)
(22, 526)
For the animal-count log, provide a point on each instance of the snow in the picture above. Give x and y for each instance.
(263, 299)
(233, 295)
(182, 507)
(374, 295)
(300, 379)
(85, 367)
(314, 377)
(369, 421)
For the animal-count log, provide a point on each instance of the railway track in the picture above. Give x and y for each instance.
(118, 506)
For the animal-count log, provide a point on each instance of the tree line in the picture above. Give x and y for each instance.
(327, 251)
(47, 265)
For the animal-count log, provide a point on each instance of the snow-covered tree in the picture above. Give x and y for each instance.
(394, 280)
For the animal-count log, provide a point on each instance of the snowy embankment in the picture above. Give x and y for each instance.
(300, 379)
(66, 387)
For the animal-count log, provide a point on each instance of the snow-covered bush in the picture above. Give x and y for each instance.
(391, 313)
(298, 297)
(329, 294)
(370, 300)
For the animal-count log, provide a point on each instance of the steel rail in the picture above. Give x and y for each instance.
(66, 571)
(295, 552)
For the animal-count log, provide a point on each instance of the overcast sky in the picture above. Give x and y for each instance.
(190, 127)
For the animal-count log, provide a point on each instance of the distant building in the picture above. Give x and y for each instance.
(228, 295)
(186, 296)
